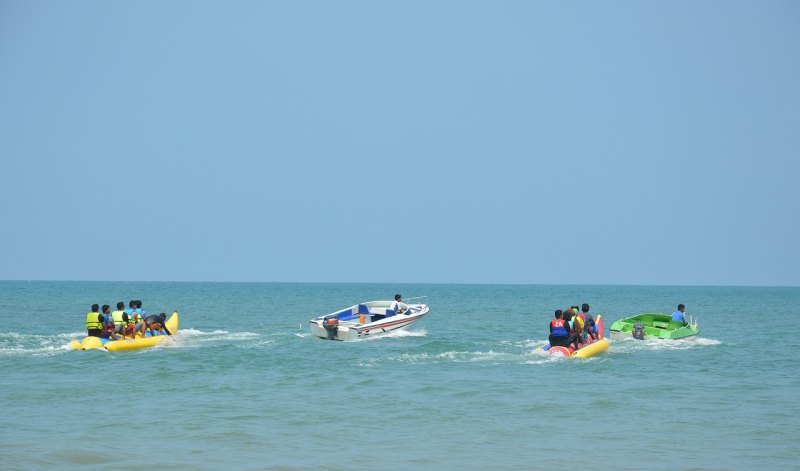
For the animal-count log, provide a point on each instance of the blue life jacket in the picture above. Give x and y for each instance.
(678, 316)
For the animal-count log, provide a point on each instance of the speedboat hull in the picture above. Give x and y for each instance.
(366, 320)
(91, 343)
(656, 326)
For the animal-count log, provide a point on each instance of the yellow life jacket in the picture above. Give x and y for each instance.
(578, 323)
(94, 321)
(117, 317)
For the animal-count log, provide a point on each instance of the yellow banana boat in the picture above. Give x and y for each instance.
(140, 342)
(589, 350)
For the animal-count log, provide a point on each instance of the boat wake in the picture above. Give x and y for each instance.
(192, 338)
(395, 334)
(630, 345)
(16, 344)
(490, 357)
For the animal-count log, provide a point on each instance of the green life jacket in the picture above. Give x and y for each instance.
(134, 318)
(94, 321)
(117, 317)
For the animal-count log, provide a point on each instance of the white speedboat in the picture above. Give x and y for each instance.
(367, 319)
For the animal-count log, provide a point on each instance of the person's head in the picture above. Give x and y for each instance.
(120, 306)
(398, 298)
(681, 307)
(559, 314)
(132, 304)
(575, 309)
(162, 316)
(568, 315)
(95, 308)
(585, 307)
(138, 304)
(106, 308)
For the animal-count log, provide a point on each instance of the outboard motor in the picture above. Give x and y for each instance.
(331, 325)
(638, 331)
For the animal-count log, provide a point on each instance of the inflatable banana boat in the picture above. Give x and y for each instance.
(140, 342)
(587, 350)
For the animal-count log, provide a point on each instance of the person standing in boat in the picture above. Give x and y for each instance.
(680, 314)
(399, 306)
(559, 331)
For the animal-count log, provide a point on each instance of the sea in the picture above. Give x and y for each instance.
(244, 386)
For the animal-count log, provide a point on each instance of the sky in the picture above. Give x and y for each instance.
(570, 142)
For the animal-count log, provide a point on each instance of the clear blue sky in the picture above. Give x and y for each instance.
(410, 141)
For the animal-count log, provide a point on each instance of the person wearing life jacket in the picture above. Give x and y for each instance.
(591, 327)
(576, 311)
(108, 322)
(120, 319)
(138, 318)
(94, 322)
(134, 321)
(559, 330)
(574, 339)
(578, 322)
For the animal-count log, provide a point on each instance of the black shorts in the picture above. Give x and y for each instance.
(94, 332)
(559, 341)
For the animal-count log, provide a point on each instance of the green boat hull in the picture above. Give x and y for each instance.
(656, 326)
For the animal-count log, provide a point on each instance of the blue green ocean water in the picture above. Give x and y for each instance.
(244, 386)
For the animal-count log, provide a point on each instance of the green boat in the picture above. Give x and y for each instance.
(656, 326)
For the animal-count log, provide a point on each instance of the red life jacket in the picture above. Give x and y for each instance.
(558, 328)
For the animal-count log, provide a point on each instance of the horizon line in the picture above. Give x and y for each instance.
(406, 283)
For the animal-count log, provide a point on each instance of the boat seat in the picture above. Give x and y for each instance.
(661, 325)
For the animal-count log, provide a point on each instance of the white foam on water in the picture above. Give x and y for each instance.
(16, 344)
(194, 333)
(460, 357)
(394, 334)
(193, 338)
(631, 344)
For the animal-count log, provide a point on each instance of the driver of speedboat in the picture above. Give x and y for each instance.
(398, 305)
